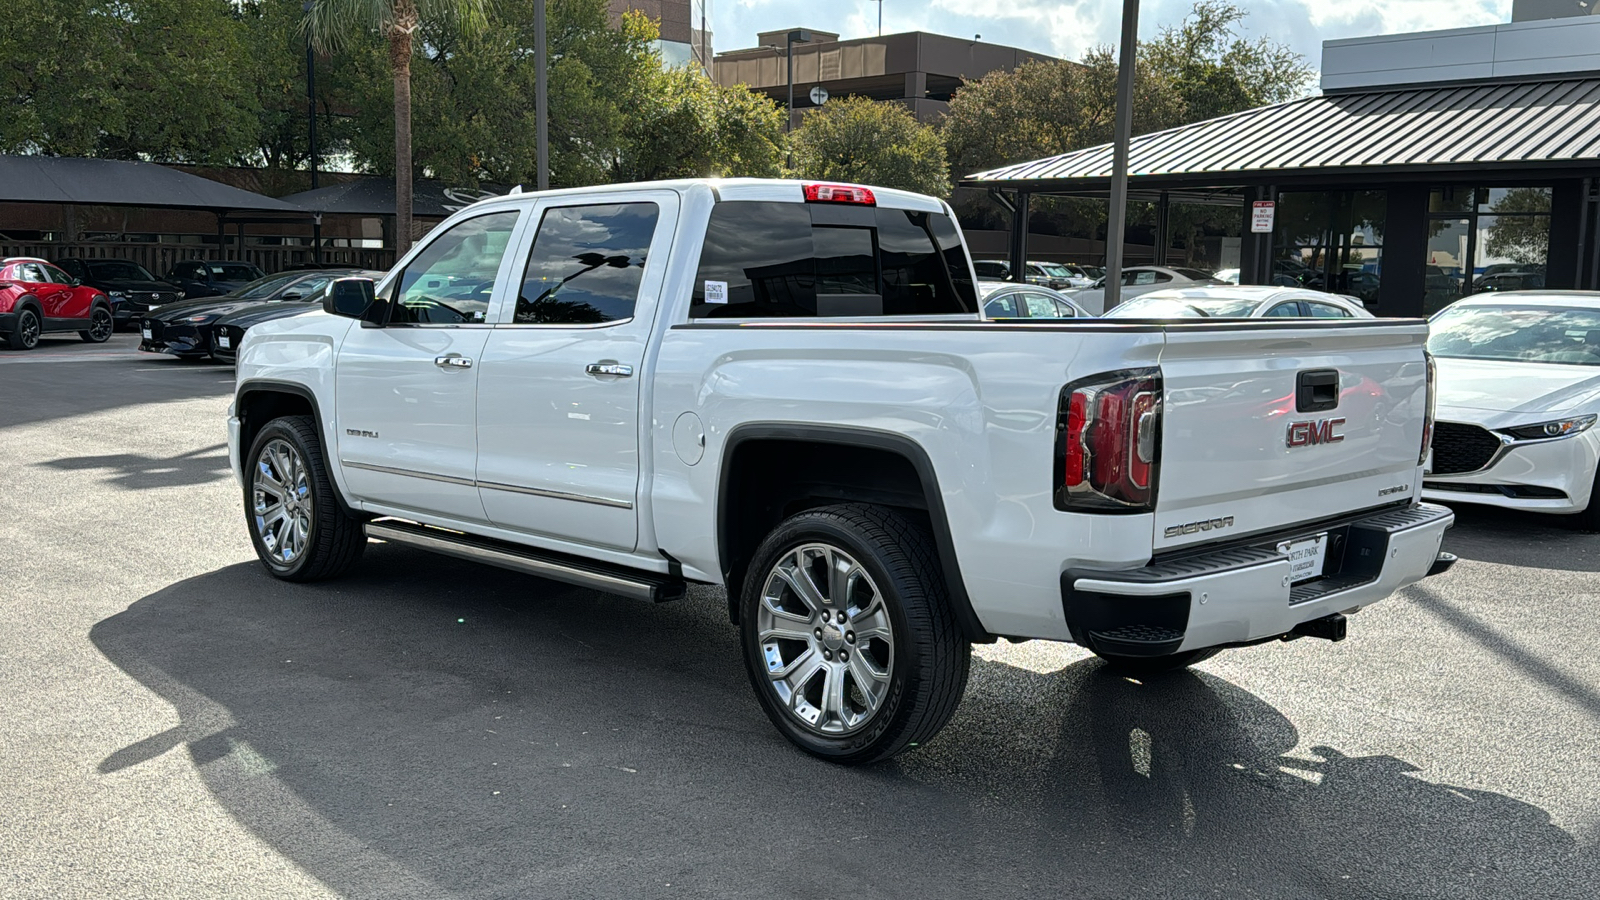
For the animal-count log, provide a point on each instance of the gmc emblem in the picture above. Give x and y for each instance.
(1309, 434)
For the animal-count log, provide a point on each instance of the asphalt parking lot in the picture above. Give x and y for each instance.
(178, 724)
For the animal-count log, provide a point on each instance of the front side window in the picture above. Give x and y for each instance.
(451, 280)
(1326, 311)
(1002, 307)
(774, 259)
(1533, 334)
(55, 275)
(586, 264)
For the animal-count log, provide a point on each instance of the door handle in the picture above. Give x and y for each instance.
(452, 361)
(618, 369)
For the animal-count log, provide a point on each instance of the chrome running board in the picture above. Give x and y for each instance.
(638, 585)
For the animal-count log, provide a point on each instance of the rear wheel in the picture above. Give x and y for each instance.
(849, 637)
(25, 336)
(1149, 666)
(100, 326)
(296, 525)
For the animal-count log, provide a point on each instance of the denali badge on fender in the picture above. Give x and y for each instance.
(1306, 434)
(1193, 527)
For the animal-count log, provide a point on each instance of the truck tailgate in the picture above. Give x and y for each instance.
(1272, 425)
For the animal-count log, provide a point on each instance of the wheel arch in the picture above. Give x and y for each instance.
(823, 465)
(260, 400)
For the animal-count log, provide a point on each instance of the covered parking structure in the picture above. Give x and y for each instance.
(1407, 195)
(55, 207)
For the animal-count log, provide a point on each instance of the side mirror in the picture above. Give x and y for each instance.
(350, 297)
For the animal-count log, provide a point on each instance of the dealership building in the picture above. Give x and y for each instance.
(1432, 166)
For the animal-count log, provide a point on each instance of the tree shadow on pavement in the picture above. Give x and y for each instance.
(432, 728)
(1515, 538)
(135, 471)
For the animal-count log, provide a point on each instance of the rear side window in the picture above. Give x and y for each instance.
(586, 264)
(792, 259)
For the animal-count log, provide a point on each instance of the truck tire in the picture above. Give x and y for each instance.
(848, 634)
(1149, 666)
(100, 327)
(25, 334)
(299, 531)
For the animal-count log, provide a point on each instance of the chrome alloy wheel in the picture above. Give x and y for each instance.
(280, 498)
(826, 638)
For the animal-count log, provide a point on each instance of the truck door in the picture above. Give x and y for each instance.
(405, 393)
(559, 391)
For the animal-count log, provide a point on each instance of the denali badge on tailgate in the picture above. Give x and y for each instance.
(1306, 434)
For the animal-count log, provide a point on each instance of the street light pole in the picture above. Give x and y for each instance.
(1117, 215)
(541, 96)
(311, 131)
(798, 36)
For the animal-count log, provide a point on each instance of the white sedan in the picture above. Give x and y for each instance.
(1140, 280)
(1518, 394)
(1234, 301)
(1007, 300)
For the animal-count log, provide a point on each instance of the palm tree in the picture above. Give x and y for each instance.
(335, 24)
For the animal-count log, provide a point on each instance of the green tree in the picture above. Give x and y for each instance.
(858, 139)
(681, 124)
(338, 24)
(131, 79)
(1197, 70)
(1514, 234)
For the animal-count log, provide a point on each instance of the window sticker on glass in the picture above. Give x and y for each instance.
(716, 292)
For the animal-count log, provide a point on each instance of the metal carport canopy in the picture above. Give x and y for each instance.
(1440, 129)
(112, 182)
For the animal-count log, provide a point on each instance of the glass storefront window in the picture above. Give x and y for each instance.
(1331, 241)
(1485, 239)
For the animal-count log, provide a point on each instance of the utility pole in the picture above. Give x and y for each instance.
(798, 36)
(880, 18)
(1117, 215)
(541, 96)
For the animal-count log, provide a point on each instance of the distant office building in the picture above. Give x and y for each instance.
(682, 40)
(916, 69)
(1533, 10)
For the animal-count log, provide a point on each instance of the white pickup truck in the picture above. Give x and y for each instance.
(787, 389)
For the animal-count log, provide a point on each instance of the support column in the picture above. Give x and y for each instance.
(1255, 250)
(1163, 227)
(1019, 237)
(238, 230)
(222, 237)
(316, 239)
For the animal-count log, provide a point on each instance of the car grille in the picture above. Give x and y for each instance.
(1461, 448)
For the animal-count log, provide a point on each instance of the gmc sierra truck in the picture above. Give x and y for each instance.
(787, 389)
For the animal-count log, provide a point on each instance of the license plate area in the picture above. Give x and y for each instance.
(146, 333)
(1308, 557)
(224, 341)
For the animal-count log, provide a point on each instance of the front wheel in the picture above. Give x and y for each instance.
(25, 335)
(296, 525)
(1150, 666)
(849, 637)
(100, 326)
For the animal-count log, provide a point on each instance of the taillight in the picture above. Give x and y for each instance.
(839, 193)
(1108, 437)
(1427, 417)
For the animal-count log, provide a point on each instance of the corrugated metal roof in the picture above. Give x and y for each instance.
(1488, 125)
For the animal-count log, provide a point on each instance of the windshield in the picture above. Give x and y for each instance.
(266, 287)
(119, 269)
(1195, 274)
(234, 272)
(1538, 334)
(1184, 308)
(1055, 270)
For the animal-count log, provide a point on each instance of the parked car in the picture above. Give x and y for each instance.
(786, 388)
(184, 329)
(1056, 276)
(1008, 300)
(132, 289)
(1519, 392)
(1138, 280)
(202, 278)
(1235, 301)
(228, 331)
(36, 299)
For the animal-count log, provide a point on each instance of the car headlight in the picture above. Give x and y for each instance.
(196, 320)
(1546, 430)
(117, 295)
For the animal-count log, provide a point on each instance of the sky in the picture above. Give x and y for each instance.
(1067, 28)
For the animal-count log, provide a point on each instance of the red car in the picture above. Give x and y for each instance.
(37, 298)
